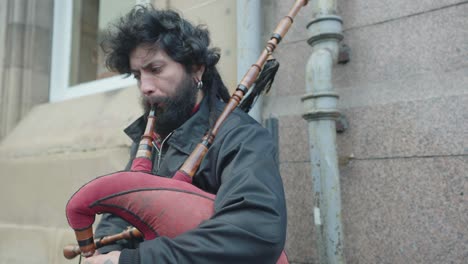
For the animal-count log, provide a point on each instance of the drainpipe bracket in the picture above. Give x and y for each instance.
(342, 124)
(324, 28)
(344, 54)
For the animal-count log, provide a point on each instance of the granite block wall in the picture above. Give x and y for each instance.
(403, 159)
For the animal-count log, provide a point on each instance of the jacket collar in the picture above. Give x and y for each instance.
(184, 138)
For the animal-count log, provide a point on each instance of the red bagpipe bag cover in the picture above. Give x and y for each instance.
(156, 206)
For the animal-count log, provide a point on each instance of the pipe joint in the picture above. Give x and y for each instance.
(321, 114)
(312, 96)
(320, 105)
(325, 27)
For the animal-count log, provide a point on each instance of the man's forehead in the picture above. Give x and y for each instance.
(146, 54)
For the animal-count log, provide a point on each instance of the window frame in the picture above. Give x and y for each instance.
(60, 89)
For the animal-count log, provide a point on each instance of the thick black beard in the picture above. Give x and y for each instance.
(176, 109)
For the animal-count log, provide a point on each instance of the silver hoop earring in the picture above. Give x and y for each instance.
(199, 85)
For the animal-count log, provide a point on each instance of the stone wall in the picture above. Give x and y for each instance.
(403, 159)
(25, 48)
(53, 151)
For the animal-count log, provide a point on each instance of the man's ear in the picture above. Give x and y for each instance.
(197, 71)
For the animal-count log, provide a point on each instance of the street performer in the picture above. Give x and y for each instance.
(175, 69)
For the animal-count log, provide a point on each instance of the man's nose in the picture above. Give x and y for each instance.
(147, 86)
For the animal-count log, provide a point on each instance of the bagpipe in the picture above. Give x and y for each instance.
(159, 206)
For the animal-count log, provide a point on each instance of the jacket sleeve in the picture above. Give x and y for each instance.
(111, 224)
(249, 224)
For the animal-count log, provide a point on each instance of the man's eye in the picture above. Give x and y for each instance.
(136, 76)
(156, 70)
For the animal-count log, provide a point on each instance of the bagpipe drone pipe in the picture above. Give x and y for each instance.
(159, 206)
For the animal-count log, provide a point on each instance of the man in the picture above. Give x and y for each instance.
(175, 69)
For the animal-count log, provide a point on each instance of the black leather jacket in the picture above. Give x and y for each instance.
(249, 224)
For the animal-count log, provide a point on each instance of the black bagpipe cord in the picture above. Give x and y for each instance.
(261, 85)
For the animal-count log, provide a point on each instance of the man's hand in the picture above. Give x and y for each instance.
(109, 258)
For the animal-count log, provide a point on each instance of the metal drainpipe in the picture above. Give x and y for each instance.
(249, 33)
(320, 102)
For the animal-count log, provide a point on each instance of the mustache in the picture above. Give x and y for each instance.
(154, 101)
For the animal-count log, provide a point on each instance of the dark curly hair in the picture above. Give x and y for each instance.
(185, 43)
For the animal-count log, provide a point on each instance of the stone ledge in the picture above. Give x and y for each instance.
(79, 125)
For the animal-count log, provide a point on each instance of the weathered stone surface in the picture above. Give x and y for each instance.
(290, 78)
(419, 87)
(24, 55)
(274, 11)
(293, 140)
(31, 12)
(418, 128)
(282, 106)
(89, 123)
(394, 210)
(426, 86)
(44, 13)
(300, 242)
(405, 210)
(28, 47)
(10, 99)
(408, 58)
(3, 30)
(34, 244)
(358, 13)
(355, 13)
(39, 187)
(63, 157)
(220, 17)
(39, 92)
(430, 43)
(429, 127)
(22, 244)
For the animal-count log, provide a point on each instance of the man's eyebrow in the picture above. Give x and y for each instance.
(148, 65)
(152, 63)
